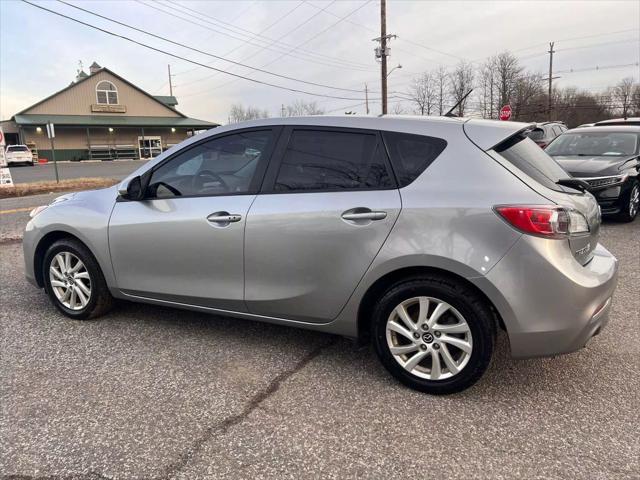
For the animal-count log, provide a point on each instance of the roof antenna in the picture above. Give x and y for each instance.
(450, 112)
(80, 66)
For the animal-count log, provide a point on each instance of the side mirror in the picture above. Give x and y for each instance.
(132, 190)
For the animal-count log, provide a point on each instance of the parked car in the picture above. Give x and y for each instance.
(619, 121)
(18, 154)
(384, 229)
(543, 133)
(607, 158)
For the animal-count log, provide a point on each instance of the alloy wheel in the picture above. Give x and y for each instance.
(429, 338)
(634, 201)
(70, 281)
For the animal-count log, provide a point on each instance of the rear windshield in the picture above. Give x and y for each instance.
(535, 134)
(528, 157)
(592, 144)
(17, 148)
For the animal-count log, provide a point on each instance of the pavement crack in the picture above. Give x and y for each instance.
(10, 240)
(80, 476)
(255, 402)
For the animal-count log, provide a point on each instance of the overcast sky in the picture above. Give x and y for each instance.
(325, 42)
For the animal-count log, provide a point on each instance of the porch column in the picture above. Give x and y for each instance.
(89, 144)
(141, 152)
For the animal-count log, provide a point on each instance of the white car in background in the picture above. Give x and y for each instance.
(18, 154)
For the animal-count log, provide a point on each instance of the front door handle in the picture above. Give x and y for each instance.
(224, 217)
(364, 215)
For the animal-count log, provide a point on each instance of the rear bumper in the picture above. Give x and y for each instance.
(551, 304)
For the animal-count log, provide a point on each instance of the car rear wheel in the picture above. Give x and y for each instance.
(630, 204)
(434, 334)
(74, 282)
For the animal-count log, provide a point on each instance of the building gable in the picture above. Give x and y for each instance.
(80, 99)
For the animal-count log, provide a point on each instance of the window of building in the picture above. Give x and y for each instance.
(318, 160)
(107, 93)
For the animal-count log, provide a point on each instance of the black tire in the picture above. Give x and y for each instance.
(467, 302)
(100, 299)
(626, 215)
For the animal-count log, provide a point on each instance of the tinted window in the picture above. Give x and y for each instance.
(332, 160)
(522, 152)
(17, 148)
(220, 166)
(412, 154)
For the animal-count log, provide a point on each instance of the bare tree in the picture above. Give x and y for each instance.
(301, 108)
(423, 93)
(398, 109)
(441, 80)
(461, 83)
(240, 113)
(487, 84)
(507, 70)
(622, 96)
(528, 98)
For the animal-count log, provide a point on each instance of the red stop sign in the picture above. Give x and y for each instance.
(505, 112)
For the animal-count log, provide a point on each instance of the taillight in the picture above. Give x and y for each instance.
(544, 221)
(543, 145)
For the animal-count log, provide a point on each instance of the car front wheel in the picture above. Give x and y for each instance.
(433, 334)
(631, 203)
(74, 282)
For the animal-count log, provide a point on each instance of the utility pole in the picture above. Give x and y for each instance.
(366, 97)
(383, 46)
(170, 81)
(382, 52)
(551, 52)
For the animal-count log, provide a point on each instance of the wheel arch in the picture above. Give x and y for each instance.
(43, 245)
(377, 288)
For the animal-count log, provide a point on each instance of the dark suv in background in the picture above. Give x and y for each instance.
(607, 158)
(543, 133)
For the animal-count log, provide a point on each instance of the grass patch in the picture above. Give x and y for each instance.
(24, 189)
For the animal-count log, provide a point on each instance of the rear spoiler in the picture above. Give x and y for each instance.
(487, 134)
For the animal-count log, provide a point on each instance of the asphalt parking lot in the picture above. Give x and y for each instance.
(117, 169)
(153, 393)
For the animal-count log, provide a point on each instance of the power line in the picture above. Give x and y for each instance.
(307, 41)
(271, 25)
(286, 77)
(268, 39)
(159, 50)
(336, 62)
(266, 46)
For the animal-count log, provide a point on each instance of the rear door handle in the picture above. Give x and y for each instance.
(224, 217)
(371, 215)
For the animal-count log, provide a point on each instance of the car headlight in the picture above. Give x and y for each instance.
(41, 208)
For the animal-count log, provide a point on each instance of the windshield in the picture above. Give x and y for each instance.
(536, 134)
(17, 148)
(594, 144)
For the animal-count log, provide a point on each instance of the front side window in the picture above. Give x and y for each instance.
(594, 144)
(317, 160)
(412, 154)
(106, 93)
(221, 166)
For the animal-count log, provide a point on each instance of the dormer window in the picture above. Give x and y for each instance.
(106, 93)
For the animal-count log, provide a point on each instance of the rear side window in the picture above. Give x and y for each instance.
(528, 157)
(535, 134)
(412, 154)
(317, 160)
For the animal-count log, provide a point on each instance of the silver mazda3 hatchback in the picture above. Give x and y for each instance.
(420, 235)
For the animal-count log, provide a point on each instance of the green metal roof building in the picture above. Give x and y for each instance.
(102, 116)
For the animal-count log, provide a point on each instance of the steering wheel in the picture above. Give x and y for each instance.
(201, 178)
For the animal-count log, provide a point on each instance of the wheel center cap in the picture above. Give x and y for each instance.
(427, 338)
